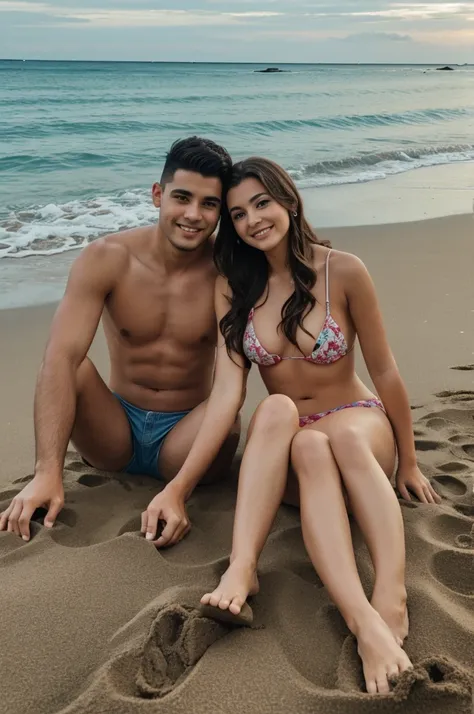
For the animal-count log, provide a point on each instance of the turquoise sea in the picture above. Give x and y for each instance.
(81, 142)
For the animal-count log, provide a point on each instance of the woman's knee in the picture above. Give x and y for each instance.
(277, 411)
(352, 447)
(308, 448)
(347, 438)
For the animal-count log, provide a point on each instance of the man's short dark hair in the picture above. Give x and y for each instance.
(203, 156)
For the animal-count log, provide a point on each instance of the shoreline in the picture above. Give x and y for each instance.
(415, 196)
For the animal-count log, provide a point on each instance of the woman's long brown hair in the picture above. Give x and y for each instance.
(246, 268)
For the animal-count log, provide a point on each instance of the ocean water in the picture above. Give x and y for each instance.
(82, 142)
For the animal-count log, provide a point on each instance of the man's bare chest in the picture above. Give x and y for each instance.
(142, 310)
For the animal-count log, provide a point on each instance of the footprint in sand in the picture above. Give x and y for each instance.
(452, 531)
(178, 638)
(8, 495)
(456, 394)
(454, 570)
(437, 423)
(458, 439)
(453, 467)
(24, 479)
(408, 504)
(77, 466)
(451, 485)
(91, 480)
(468, 450)
(427, 445)
(131, 526)
(306, 572)
(465, 509)
(66, 516)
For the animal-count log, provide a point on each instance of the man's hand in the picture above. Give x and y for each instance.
(42, 491)
(410, 479)
(167, 506)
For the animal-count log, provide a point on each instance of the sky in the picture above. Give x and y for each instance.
(268, 31)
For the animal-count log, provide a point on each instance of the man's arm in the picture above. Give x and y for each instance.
(74, 325)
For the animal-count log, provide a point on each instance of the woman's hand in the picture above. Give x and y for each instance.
(410, 479)
(168, 506)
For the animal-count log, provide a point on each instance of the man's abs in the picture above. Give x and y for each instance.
(160, 395)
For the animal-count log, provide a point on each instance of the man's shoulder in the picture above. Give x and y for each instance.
(104, 259)
(116, 248)
(126, 240)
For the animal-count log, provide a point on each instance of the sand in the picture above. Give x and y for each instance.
(95, 619)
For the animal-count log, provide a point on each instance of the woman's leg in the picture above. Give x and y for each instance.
(262, 480)
(364, 450)
(327, 536)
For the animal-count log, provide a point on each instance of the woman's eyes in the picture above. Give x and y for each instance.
(261, 204)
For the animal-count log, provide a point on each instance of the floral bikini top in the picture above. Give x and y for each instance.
(330, 346)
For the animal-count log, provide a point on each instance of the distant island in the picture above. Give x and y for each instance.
(270, 69)
(445, 69)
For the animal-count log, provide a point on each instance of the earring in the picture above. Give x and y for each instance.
(295, 214)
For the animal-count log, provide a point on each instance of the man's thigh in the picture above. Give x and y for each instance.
(101, 432)
(178, 442)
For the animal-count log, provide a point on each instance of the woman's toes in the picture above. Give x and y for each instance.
(371, 687)
(383, 686)
(224, 603)
(214, 599)
(206, 599)
(236, 606)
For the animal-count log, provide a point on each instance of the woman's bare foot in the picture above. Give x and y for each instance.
(382, 658)
(393, 610)
(238, 582)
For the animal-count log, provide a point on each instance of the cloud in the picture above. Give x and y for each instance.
(376, 36)
(404, 11)
(145, 17)
(238, 30)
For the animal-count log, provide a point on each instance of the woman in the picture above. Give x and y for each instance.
(288, 303)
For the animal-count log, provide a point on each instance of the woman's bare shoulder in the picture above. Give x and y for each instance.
(346, 264)
(340, 261)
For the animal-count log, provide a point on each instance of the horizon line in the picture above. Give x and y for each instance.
(267, 64)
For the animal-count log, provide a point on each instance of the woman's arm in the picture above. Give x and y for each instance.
(222, 408)
(365, 312)
(223, 405)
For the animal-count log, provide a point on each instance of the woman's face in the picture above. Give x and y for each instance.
(258, 219)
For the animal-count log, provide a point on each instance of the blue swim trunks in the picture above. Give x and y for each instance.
(149, 430)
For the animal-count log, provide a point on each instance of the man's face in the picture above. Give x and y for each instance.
(190, 208)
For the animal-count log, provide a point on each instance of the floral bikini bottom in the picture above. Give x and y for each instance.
(311, 418)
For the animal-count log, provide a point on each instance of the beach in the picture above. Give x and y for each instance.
(96, 620)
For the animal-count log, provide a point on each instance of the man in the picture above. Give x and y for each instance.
(153, 288)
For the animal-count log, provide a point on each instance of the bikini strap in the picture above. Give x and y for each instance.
(327, 283)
